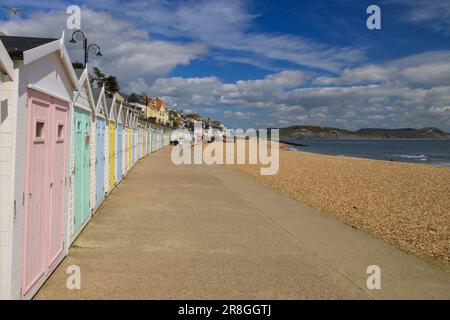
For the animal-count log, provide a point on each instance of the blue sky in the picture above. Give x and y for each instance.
(269, 63)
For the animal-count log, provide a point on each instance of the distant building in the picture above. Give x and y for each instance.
(157, 111)
(139, 102)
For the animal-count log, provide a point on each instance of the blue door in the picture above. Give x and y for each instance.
(100, 161)
(119, 133)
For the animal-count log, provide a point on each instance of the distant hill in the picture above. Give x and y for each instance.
(321, 132)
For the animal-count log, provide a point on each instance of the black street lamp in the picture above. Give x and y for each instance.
(78, 36)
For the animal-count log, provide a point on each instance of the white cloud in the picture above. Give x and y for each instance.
(128, 52)
(370, 73)
(434, 14)
(257, 92)
(239, 114)
(180, 92)
(227, 25)
(428, 74)
(405, 92)
(440, 110)
(424, 69)
(412, 91)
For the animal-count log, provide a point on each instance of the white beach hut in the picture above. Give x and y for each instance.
(36, 93)
(100, 149)
(8, 100)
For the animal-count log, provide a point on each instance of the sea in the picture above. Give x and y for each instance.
(433, 152)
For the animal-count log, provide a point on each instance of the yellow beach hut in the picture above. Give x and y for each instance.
(112, 118)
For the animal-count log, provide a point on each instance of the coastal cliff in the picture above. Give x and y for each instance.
(321, 132)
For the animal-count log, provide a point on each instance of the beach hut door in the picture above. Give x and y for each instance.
(82, 163)
(112, 154)
(119, 152)
(44, 186)
(100, 161)
(58, 183)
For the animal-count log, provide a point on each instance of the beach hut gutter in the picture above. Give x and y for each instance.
(54, 46)
(6, 64)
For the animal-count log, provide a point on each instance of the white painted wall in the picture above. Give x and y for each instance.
(6, 64)
(8, 117)
(49, 74)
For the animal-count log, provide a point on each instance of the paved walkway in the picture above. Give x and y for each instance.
(202, 232)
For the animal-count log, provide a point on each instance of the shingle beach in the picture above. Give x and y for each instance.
(408, 205)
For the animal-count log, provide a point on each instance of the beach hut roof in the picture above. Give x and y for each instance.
(118, 110)
(79, 72)
(6, 64)
(101, 105)
(30, 49)
(96, 92)
(16, 46)
(128, 117)
(110, 103)
(83, 80)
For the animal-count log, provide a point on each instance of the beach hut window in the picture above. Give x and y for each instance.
(79, 126)
(60, 131)
(39, 129)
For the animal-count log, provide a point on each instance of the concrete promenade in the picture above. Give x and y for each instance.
(207, 232)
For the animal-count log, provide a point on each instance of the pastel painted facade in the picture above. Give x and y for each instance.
(124, 115)
(157, 110)
(154, 133)
(141, 142)
(134, 137)
(100, 140)
(112, 142)
(130, 143)
(82, 157)
(152, 144)
(119, 140)
(126, 135)
(36, 95)
(56, 137)
(104, 105)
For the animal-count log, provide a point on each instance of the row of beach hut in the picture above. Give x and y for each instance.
(64, 146)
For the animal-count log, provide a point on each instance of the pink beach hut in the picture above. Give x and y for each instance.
(36, 94)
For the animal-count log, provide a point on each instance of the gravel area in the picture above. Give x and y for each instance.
(407, 205)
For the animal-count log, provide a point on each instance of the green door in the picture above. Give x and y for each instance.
(82, 128)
